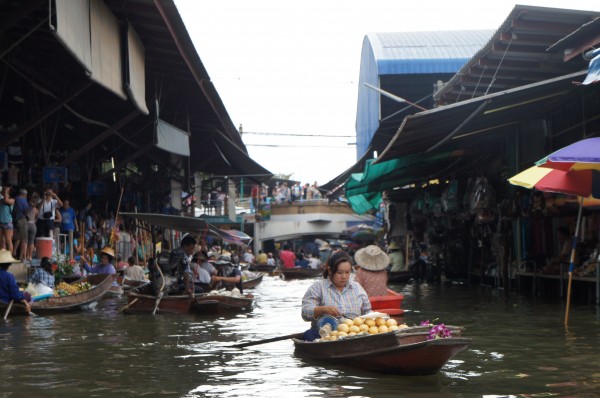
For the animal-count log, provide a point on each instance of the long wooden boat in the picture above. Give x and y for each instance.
(300, 273)
(142, 300)
(73, 302)
(399, 277)
(271, 270)
(393, 352)
(218, 304)
(253, 279)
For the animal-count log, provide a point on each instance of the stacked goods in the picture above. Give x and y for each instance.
(359, 327)
(66, 289)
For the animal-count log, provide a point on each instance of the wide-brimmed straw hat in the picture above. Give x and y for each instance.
(324, 246)
(393, 246)
(108, 251)
(372, 258)
(6, 257)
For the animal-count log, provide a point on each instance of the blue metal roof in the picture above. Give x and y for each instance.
(434, 55)
(425, 52)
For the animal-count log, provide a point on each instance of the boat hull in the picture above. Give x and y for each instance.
(253, 282)
(217, 304)
(270, 270)
(394, 353)
(73, 302)
(141, 300)
(300, 273)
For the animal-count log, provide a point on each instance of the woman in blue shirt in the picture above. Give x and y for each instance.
(9, 290)
(107, 256)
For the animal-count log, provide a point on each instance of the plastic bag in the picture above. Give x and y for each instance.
(43, 289)
(450, 200)
(31, 289)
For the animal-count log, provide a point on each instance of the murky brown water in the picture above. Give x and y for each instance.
(520, 348)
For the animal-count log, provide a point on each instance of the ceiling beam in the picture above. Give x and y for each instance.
(560, 29)
(44, 114)
(99, 138)
(25, 8)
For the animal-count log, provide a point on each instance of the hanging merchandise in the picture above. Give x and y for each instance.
(468, 196)
(483, 202)
(449, 201)
(537, 204)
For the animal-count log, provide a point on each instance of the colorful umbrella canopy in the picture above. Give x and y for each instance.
(581, 155)
(582, 183)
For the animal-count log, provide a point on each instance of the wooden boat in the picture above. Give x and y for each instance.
(142, 300)
(399, 277)
(393, 352)
(390, 304)
(271, 270)
(253, 279)
(73, 302)
(300, 273)
(218, 304)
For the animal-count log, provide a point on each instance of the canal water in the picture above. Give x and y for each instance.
(520, 349)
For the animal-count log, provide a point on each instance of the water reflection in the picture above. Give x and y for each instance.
(519, 348)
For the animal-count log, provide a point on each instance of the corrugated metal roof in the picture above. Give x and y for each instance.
(425, 52)
(516, 53)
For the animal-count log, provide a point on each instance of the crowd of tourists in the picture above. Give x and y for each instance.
(25, 216)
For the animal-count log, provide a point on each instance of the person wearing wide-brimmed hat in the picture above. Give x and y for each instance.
(371, 275)
(396, 258)
(9, 290)
(107, 256)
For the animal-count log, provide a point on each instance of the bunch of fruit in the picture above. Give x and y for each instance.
(359, 327)
(66, 289)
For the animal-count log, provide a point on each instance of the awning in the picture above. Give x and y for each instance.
(363, 190)
(424, 131)
(179, 223)
(193, 226)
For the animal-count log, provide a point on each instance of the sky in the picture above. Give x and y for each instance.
(287, 71)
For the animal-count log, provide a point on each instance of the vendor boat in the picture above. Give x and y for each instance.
(219, 304)
(271, 270)
(402, 353)
(73, 302)
(252, 280)
(142, 299)
(300, 273)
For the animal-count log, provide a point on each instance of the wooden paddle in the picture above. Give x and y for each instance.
(265, 341)
(8, 309)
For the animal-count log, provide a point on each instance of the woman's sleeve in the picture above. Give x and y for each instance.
(311, 299)
(15, 293)
(366, 304)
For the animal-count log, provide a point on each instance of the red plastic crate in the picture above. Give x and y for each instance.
(389, 302)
